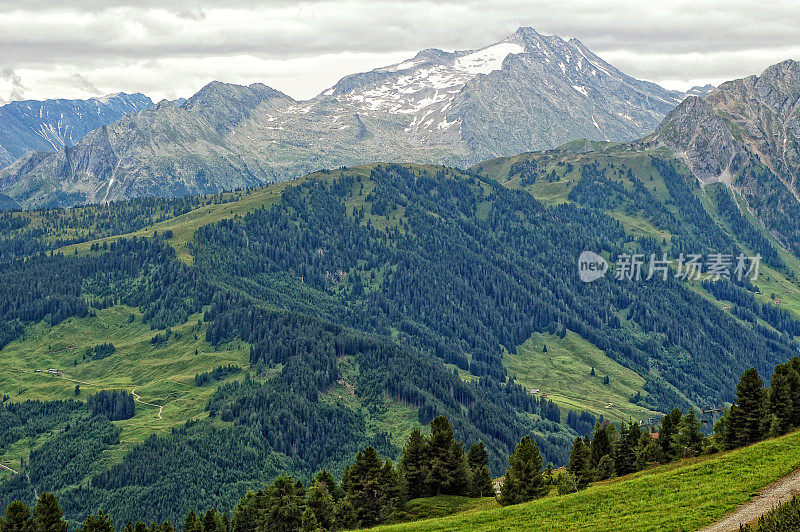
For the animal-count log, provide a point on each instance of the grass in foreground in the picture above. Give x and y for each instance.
(686, 495)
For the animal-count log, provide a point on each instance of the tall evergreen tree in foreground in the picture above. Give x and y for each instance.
(625, 452)
(481, 484)
(745, 420)
(47, 515)
(579, 462)
(448, 473)
(524, 480)
(100, 523)
(414, 465)
(18, 518)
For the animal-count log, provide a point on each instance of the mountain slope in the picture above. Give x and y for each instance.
(357, 303)
(746, 133)
(529, 91)
(687, 495)
(53, 124)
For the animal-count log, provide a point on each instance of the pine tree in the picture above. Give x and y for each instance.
(101, 523)
(669, 426)
(779, 402)
(601, 443)
(724, 435)
(794, 387)
(625, 451)
(523, 480)
(212, 522)
(247, 516)
(605, 468)
(345, 515)
(18, 518)
(649, 452)
(370, 489)
(414, 465)
(579, 462)
(319, 501)
(192, 523)
(445, 474)
(477, 455)
(748, 414)
(688, 441)
(47, 515)
(481, 484)
(325, 477)
(308, 522)
(284, 505)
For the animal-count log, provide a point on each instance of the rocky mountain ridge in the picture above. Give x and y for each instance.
(526, 92)
(50, 125)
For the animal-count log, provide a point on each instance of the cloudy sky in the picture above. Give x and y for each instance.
(82, 48)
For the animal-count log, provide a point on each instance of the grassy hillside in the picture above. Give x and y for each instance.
(564, 373)
(375, 298)
(686, 495)
(185, 225)
(162, 375)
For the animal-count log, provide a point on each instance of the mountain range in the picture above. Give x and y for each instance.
(526, 92)
(50, 125)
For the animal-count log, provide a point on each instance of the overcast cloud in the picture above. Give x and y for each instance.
(49, 49)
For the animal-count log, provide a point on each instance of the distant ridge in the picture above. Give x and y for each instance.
(526, 92)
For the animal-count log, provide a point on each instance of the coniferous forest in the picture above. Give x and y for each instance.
(402, 285)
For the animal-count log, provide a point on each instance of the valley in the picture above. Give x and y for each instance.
(212, 304)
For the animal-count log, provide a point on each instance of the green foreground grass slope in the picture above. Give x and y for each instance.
(686, 495)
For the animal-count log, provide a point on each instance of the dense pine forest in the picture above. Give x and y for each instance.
(361, 293)
(373, 490)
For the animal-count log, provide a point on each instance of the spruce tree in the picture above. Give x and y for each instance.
(625, 451)
(47, 515)
(100, 523)
(579, 462)
(414, 465)
(669, 427)
(284, 505)
(523, 480)
(748, 414)
(688, 441)
(481, 484)
(18, 518)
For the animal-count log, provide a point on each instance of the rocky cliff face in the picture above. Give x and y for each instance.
(746, 133)
(527, 92)
(52, 124)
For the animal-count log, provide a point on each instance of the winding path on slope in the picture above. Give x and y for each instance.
(138, 399)
(9, 469)
(778, 492)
